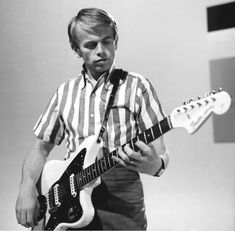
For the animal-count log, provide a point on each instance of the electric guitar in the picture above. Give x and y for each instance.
(66, 186)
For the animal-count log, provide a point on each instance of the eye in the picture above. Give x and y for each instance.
(107, 41)
(90, 45)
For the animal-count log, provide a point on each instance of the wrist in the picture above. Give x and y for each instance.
(29, 184)
(161, 169)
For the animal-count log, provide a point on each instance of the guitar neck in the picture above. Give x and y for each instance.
(105, 163)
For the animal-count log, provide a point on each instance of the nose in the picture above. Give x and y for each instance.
(100, 50)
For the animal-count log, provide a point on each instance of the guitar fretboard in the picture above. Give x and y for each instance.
(106, 163)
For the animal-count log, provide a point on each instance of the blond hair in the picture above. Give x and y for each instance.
(94, 20)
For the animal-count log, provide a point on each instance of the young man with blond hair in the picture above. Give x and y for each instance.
(76, 111)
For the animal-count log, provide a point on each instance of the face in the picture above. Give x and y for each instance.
(97, 50)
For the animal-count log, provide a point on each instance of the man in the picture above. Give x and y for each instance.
(76, 111)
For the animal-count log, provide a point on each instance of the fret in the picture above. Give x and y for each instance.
(97, 167)
(94, 170)
(84, 178)
(99, 162)
(145, 138)
(141, 137)
(106, 157)
(91, 172)
(112, 162)
(135, 148)
(151, 129)
(88, 173)
(156, 131)
(165, 125)
(114, 153)
(103, 165)
(160, 129)
(100, 166)
(148, 135)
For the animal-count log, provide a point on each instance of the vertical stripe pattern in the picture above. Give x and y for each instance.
(77, 108)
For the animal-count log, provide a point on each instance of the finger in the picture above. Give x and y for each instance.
(18, 216)
(124, 155)
(30, 219)
(130, 165)
(144, 148)
(35, 218)
(119, 161)
(23, 219)
(131, 153)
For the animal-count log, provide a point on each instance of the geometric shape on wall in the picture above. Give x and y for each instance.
(222, 73)
(221, 17)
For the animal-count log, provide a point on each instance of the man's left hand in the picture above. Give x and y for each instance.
(146, 160)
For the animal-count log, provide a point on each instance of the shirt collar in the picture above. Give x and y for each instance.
(103, 78)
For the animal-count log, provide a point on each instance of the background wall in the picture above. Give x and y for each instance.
(167, 41)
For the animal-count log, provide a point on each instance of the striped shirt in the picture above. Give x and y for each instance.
(77, 108)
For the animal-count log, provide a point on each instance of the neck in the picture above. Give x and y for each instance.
(94, 76)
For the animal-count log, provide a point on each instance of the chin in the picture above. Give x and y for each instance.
(103, 69)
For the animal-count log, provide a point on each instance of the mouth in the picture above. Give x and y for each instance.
(100, 61)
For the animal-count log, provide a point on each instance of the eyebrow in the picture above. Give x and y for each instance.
(106, 37)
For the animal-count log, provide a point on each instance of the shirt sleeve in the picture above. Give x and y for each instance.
(150, 108)
(50, 126)
(150, 111)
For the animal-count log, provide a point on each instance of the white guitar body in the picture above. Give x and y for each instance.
(54, 169)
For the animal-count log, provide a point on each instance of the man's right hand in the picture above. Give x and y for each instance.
(27, 206)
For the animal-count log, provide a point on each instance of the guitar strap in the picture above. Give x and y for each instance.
(116, 76)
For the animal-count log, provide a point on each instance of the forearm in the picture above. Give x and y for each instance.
(32, 167)
(33, 164)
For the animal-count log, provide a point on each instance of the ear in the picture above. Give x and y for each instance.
(116, 43)
(78, 52)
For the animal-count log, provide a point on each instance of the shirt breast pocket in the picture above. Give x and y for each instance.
(123, 121)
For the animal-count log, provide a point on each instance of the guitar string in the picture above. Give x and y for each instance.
(64, 186)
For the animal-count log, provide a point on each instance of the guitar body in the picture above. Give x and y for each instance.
(77, 210)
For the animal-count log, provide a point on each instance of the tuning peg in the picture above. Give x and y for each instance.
(212, 92)
(191, 100)
(199, 97)
(185, 102)
(220, 89)
(185, 108)
(206, 94)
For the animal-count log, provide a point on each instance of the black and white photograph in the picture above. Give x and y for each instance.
(117, 115)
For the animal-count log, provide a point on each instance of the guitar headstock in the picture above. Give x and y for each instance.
(194, 113)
